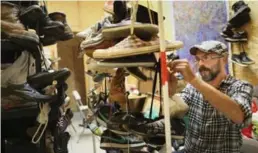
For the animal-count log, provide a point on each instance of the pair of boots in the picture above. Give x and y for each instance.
(242, 59)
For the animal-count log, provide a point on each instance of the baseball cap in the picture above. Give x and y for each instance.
(209, 47)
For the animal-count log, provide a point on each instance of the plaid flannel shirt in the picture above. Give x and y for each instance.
(209, 131)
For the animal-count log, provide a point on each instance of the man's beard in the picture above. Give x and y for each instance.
(208, 74)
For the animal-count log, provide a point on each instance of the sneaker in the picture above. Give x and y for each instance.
(94, 67)
(241, 15)
(110, 140)
(239, 36)
(120, 122)
(104, 113)
(94, 41)
(132, 45)
(26, 92)
(227, 31)
(245, 59)
(237, 59)
(117, 89)
(157, 129)
(137, 73)
(145, 60)
(94, 30)
(123, 30)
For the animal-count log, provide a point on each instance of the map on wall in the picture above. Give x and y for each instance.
(197, 21)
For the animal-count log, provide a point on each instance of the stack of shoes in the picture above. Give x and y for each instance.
(231, 32)
(26, 26)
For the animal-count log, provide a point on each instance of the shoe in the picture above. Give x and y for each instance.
(61, 142)
(95, 68)
(91, 42)
(245, 59)
(104, 113)
(120, 10)
(119, 122)
(61, 17)
(241, 15)
(48, 40)
(64, 121)
(26, 92)
(157, 129)
(144, 60)
(110, 140)
(43, 79)
(10, 12)
(227, 31)
(132, 45)
(109, 6)
(95, 29)
(137, 73)
(29, 16)
(123, 29)
(239, 36)
(117, 89)
(237, 59)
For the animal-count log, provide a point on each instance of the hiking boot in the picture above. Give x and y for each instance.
(144, 60)
(137, 73)
(110, 140)
(157, 129)
(132, 45)
(239, 36)
(61, 142)
(117, 89)
(26, 92)
(245, 59)
(43, 79)
(119, 122)
(61, 17)
(123, 29)
(237, 59)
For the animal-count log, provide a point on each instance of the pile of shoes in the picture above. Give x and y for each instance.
(231, 32)
(26, 26)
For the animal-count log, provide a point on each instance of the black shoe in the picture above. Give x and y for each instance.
(137, 73)
(111, 140)
(26, 92)
(61, 142)
(157, 129)
(58, 16)
(227, 31)
(29, 16)
(237, 59)
(145, 60)
(43, 79)
(241, 15)
(245, 59)
(120, 122)
(240, 36)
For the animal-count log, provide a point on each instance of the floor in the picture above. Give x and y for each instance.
(85, 144)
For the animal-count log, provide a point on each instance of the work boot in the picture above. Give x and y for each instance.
(29, 16)
(61, 17)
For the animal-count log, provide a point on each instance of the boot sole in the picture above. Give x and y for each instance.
(235, 40)
(121, 146)
(241, 64)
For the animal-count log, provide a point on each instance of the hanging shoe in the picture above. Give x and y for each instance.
(132, 45)
(10, 12)
(123, 30)
(237, 59)
(245, 59)
(95, 68)
(239, 36)
(157, 129)
(117, 89)
(241, 15)
(111, 140)
(29, 16)
(144, 60)
(61, 17)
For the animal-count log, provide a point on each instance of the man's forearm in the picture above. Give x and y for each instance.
(219, 100)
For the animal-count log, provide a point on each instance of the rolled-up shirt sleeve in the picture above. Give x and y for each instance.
(243, 96)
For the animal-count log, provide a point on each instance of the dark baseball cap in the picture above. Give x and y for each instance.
(209, 47)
